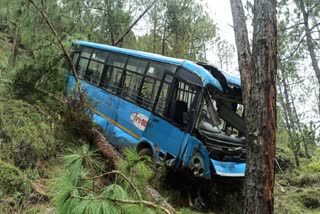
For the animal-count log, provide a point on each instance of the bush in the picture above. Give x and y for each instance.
(305, 179)
(11, 178)
(313, 167)
(27, 133)
(310, 198)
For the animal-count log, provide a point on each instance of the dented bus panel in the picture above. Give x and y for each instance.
(184, 114)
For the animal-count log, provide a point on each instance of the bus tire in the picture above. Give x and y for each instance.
(146, 151)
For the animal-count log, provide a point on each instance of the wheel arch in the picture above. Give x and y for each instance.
(144, 143)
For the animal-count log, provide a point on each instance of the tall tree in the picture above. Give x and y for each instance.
(306, 10)
(259, 92)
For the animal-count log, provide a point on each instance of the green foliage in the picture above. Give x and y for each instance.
(305, 179)
(75, 189)
(115, 191)
(45, 72)
(27, 133)
(179, 28)
(14, 188)
(35, 209)
(284, 154)
(313, 167)
(62, 187)
(80, 158)
(303, 201)
(135, 168)
(11, 178)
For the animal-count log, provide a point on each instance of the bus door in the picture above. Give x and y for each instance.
(173, 115)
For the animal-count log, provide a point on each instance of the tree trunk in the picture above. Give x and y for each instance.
(15, 44)
(289, 125)
(293, 120)
(310, 45)
(259, 92)
(306, 149)
(301, 138)
(163, 43)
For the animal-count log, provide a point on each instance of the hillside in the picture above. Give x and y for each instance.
(50, 164)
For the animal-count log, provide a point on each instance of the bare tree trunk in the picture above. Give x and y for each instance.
(258, 72)
(163, 43)
(301, 138)
(310, 45)
(109, 21)
(289, 122)
(293, 122)
(15, 44)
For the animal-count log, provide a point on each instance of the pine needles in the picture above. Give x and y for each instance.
(81, 187)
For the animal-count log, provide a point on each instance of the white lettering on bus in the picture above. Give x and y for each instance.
(139, 120)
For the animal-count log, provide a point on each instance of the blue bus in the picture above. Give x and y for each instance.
(184, 114)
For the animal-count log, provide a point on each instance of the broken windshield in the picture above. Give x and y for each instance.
(221, 115)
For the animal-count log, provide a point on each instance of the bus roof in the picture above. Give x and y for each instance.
(206, 77)
(232, 79)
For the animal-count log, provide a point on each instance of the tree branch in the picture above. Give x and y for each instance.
(65, 52)
(122, 175)
(147, 203)
(134, 23)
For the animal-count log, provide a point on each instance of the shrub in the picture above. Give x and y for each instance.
(27, 133)
(11, 178)
(313, 167)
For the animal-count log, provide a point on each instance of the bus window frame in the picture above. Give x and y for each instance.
(122, 78)
(198, 96)
(174, 75)
(125, 70)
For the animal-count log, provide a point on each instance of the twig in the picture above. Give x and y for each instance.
(147, 203)
(86, 190)
(122, 175)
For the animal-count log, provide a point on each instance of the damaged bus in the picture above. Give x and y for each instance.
(184, 114)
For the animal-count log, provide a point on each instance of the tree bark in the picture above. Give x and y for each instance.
(258, 72)
(243, 47)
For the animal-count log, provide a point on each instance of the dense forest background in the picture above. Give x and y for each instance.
(48, 164)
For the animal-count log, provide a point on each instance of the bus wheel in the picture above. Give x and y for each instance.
(146, 151)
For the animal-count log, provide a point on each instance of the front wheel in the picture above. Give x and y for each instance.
(146, 151)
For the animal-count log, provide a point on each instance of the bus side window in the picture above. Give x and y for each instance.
(152, 81)
(182, 102)
(83, 62)
(163, 97)
(175, 99)
(75, 60)
(134, 72)
(111, 77)
(95, 67)
(82, 67)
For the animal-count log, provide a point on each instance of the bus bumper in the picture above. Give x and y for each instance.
(229, 169)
